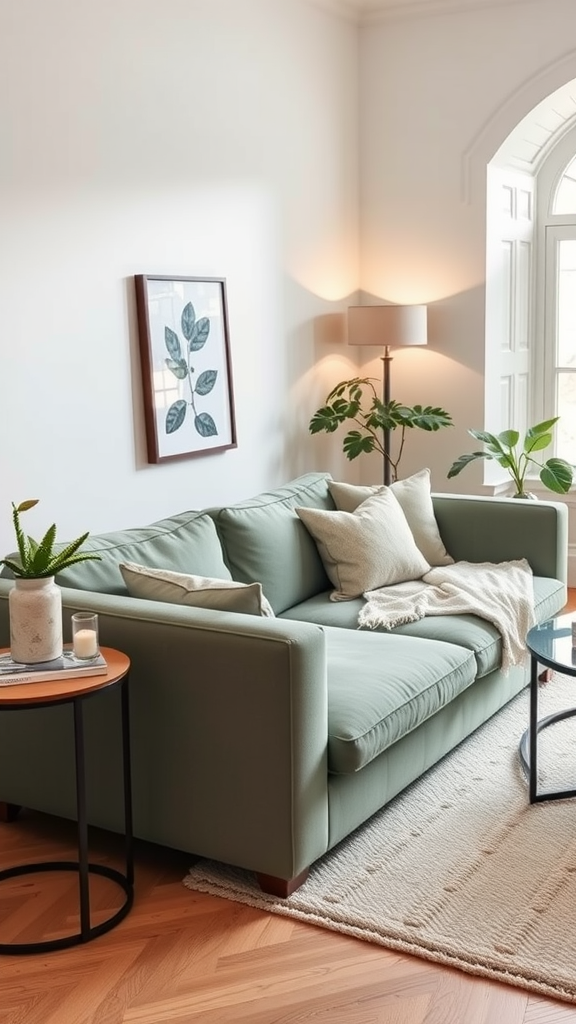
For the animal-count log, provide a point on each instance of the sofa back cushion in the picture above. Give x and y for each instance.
(185, 543)
(264, 540)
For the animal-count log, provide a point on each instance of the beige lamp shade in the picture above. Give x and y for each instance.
(387, 325)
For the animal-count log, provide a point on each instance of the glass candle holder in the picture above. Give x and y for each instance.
(85, 635)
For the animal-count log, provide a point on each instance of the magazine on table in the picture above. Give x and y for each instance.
(66, 667)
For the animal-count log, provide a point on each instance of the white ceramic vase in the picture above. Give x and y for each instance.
(35, 620)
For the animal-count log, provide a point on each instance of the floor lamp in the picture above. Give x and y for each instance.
(387, 327)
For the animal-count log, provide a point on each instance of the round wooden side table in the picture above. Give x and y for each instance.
(23, 696)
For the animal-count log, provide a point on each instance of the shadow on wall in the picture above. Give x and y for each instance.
(329, 361)
(448, 373)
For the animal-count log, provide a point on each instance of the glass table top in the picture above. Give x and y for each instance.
(551, 643)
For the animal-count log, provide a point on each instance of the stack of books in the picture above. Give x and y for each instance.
(67, 667)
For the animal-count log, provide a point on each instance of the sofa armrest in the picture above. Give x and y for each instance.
(482, 529)
(229, 733)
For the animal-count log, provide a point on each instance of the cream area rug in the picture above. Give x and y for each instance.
(460, 868)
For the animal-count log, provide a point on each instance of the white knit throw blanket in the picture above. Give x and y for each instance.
(500, 592)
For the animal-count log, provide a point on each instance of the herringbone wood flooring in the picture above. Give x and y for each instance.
(184, 958)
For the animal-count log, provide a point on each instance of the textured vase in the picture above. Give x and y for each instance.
(35, 620)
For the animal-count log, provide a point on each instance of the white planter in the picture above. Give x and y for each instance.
(35, 620)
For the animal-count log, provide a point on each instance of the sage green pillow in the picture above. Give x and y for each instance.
(194, 591)
(369, 548)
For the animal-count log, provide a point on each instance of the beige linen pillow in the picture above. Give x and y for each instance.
(194, 591)
(365, 549)
(415, 500)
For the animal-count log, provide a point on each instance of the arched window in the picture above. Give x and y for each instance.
(564, 202)
(555, 377)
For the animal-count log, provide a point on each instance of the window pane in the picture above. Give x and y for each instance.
(567, 303)
(565, 199)
(565, 433)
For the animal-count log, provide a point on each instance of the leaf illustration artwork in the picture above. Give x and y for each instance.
(195, 333)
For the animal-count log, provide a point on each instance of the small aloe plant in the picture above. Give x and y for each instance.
(37, 559)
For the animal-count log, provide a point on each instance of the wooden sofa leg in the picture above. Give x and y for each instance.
(9, 812)
(281, 887)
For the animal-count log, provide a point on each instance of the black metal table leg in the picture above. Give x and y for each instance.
(82, 866)
(83, 880)
(529, 742)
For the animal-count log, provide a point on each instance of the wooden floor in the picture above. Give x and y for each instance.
(184, 958)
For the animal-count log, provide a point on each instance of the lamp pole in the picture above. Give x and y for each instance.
(386, 360)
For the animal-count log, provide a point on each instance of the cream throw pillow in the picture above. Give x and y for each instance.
(365, 549)
(194, 591)
(415, 500)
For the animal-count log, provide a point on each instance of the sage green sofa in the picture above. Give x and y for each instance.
(264, 741)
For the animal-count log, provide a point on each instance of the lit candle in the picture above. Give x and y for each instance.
(86, 643)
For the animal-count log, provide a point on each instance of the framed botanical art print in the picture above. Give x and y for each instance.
(186, 368)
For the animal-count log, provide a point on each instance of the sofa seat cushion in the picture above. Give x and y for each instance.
(470, 631)
(382, 686)
(185, 543)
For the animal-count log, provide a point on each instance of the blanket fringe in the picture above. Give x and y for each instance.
(375, 622)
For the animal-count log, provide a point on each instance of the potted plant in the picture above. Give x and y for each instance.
(374, 418)
(35, 601)
(555, 474)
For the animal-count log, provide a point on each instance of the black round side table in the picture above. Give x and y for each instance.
(550, 644)
(76, 691)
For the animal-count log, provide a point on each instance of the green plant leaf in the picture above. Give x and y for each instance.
(331, 416)
(542, 428)
(206, 382)
(205, 425)
(200, 334)
(175, 416)
(536, 442)
(464, 461)
(172, 344)
(494, 447)
(14, 567)
(179, 369)
(188, 321)
(25, 505)
(557, 475)
(509, 438)
(354, 387)
(59, 564)
(43, 553)
(429, 418)
(483, 435)
(62, 558)
(355, 444)
(382, 419)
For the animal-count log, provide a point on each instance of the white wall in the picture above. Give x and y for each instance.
(439, 94)
(221, 137)
(191, 137)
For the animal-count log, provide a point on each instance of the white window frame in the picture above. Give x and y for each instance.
(551, 229)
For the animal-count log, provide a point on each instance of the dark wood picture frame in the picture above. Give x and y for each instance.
(186, 367)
